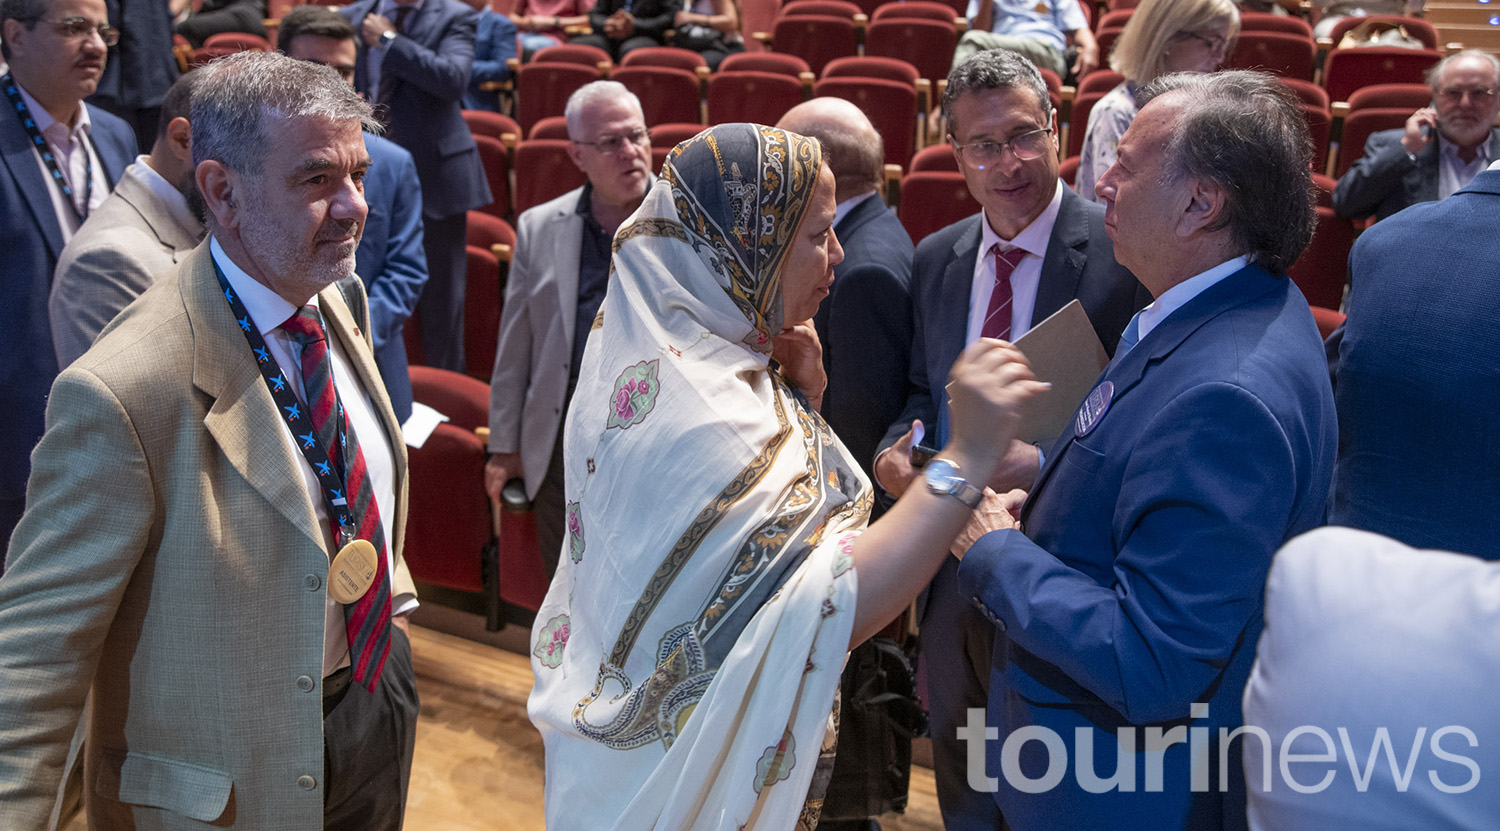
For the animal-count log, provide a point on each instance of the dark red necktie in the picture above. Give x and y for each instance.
(367, 621)
(997, 319)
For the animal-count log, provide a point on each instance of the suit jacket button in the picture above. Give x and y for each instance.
(305, 683)
(312, 582)
(306, 782)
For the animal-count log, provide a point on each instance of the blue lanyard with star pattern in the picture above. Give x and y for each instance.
(330, 481)
(48, 157)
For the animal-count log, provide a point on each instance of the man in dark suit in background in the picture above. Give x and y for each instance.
(865, 323)
(1051, 246)
(56, 51)
(413, 65)
(1439, 150)
(389, 261)
(141, 67)
(1417, 380)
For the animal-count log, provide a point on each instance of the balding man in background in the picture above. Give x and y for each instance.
(865, 322)
(150, 222)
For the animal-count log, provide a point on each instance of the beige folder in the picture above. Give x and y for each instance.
(1064, 350)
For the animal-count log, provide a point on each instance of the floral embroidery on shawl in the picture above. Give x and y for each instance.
(777, 763)
(550, 642)
(575, 532)
(635, 395)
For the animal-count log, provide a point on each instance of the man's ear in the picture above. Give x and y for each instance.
(180, 139)
(1203, 210)
(575, 152)
(217, 184)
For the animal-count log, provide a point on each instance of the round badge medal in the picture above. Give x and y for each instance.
(352, 572)
(1093, 408)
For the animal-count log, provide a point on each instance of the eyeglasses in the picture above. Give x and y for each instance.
(1028, 147)
(611, 144)
(1213, 43)
(1454, 95)
(79, 28)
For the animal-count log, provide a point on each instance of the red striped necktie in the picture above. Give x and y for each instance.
(367, 621)
(997, 318)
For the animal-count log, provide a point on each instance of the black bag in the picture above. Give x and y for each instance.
(879, 717)
(698, 38)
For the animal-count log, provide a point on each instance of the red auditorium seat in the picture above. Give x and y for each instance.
(544, 171)
(759, 97)
(932, 200)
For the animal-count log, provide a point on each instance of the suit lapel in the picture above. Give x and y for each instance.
(1422, 181)
(1127, 371)
(565, 257)
(952, 319)
(1062, 266)
(243, 419)
(15, 149)
(357, 13)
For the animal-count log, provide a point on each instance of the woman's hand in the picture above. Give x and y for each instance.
(800, 357)
(986, 387)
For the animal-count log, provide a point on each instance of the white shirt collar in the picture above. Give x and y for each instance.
(167, 194)
(267, 308)
(1033, 238)
(44, 119)
(1495, 165)
(1177, 296)
(848, 205)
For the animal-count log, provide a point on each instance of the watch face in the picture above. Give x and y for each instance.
(942, 475)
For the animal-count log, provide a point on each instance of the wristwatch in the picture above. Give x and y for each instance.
(944, 478)
(387, 38)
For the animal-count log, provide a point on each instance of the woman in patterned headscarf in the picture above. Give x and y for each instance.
(688, 653)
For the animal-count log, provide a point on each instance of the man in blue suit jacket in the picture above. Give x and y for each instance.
(1128, 611)
(994, 100)
(53, 70)
(1419, 465)
(416, 76)
(389, 260)
(494, 46)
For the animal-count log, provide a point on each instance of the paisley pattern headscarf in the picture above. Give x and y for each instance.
(688, 653)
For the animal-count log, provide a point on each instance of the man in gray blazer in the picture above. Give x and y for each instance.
(225, 437)
(557, 282)
(148, 224)
(1441, 148)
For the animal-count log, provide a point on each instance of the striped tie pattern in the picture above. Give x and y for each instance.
(997, 318)
(367, 621)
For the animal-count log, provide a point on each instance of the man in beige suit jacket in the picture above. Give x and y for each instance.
(556, 285)
(148, 224)
(175, 550)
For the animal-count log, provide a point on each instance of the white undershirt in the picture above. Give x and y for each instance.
(269, 310)
(74, 155)
(1024, 280)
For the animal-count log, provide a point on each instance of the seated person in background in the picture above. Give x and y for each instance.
(542, 22)
(216, 16)
(1439, 150)
(718, 567)
(711, 28)
(150, 222)
(622, 25)
(1039, 31)
(1162, 37)
(494, 44)
(1366, 642)
(1336, 10)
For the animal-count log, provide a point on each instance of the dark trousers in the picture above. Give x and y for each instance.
(548, 507)
(617, 48)
(956, 645)
(368, 741)
(440, 311)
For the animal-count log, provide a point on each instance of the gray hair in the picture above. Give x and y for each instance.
(1244, 132)
(25, 11)
(237, 93)
(994, 69)
(1434, 76)
(595, 92)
